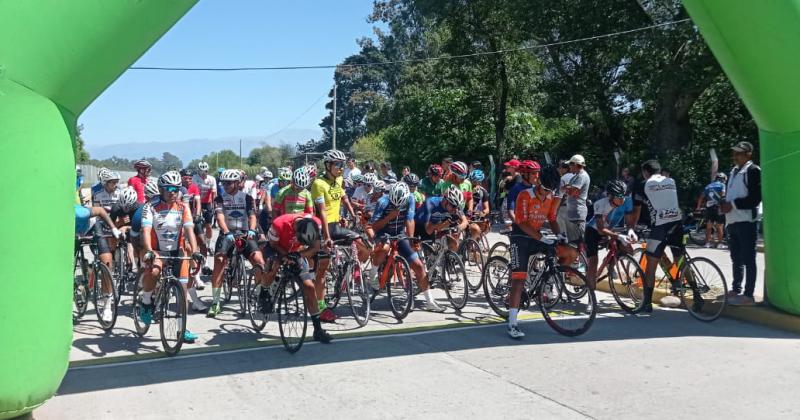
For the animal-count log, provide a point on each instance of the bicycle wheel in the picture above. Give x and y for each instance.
(626, 283)
(499, 249)
(173, 316)
(292, 315)
(102, 275)
(358, 296)
(227, 279)
(703, 290)
(399, 289)
(473, 264)
(454, 280)
(120, 261)
(576, 288)
(80, 290)
(141, 328)
(241, 288)
(567, 315)
(257, 318)
(428, 255)
(333, 286)
(497, 284)
(484, 243)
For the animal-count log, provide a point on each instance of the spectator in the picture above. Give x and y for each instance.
(386, 170)
(741, 211)
(627, 179)
(406, 171)
(446, 165)
(369, 168)
(351, 169)
(476, 165)
(577, 190)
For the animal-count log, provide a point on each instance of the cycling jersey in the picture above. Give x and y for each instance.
(282, 231)
(167, 222)
(250, 188)
(480, 199)
(136, 219)
(206, 186)
(511, 198)
(83, 217)
(465, 186)
(325, 191)
(397, 225)
(138, 184)
(189, 193)
(290, 201)
(532, 211)
(612, 216)
(714, 192)
(429, 188)
(361, 194)
(106, 199)
(660, 195)
(419, 198)
(433, 211)
(236, 208)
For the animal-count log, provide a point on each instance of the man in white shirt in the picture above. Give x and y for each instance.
(351, 169)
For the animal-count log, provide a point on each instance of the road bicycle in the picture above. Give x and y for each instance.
(235, 273)
(344, 277)
(445, 268)
(623, 273)
(394, 275)
(88, 281)
(122, 271)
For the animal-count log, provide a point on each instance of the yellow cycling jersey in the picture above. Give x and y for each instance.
(329, 193)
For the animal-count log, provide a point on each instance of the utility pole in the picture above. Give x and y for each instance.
(335, 84)
(240, 153)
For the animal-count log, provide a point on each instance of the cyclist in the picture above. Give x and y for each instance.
(328, 195)
(394, 215)
(294, 198)
(83, 224)
(533, 206)
(412, 180)
(660, 195)
(289, 233)
(208, 192)
(138, 181)
(458, 177)
(235, 213)
(479, 205)
(166, 226)
(98, 186)
(220, 170)
(440, 213)
(609, 212)
(273, 188)
(106, 198)
(432, 184)
(191, 196)
(712, 195)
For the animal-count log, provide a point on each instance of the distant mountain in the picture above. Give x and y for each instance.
(187, 150)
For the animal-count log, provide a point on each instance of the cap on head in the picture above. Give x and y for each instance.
(743, 147)
(578, 160)
(513, 163)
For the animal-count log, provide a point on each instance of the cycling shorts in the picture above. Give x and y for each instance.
(713, 215)
(592, 239)
(208, 213)
(180, 268)
(338, 232)
(264, 220)
(99, 232)
(403, 247)
(225, 247)
(667, 234)
(521, 250)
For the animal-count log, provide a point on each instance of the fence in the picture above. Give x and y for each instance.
(90, 175)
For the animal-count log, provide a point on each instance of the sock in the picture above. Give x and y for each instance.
(427, 295)
(512, 316)
(322, 305)
(193, 294)
(147, 297)
(315, 320)
(215, 292)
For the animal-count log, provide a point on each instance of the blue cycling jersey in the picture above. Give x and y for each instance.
(613, 216)
(82, 217)
(432, 211)
(713, 192)
(397, 225)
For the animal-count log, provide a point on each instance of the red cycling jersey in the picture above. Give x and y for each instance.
(282, 231)
(138, 185)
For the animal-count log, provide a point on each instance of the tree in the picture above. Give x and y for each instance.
(81, 155)
(370, 148)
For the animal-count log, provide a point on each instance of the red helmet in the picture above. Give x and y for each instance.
(459, 169)
(529, 166)
(435, 169)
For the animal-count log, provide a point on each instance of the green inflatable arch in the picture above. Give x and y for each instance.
(56, 57)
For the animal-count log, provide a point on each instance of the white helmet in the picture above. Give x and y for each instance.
(334, 156)
(231, 175)
(170, 179)
(267, 175)
(259, 178)
(301, 178)
(203, 166)
(109, 176)
(284, 174)
(399, 194)
(454, 196)
(151, 189)
(128, 198)
(102, 173)
(370, 178)
(263, 169)
(379, 186)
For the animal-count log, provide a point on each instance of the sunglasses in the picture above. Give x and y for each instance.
(339, 165)
(172, 189)
(229, 182)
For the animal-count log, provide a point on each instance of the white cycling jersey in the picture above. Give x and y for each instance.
(106, 199)
(661, 196)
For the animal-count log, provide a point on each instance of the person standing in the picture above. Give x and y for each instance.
(351, 169)
(740, 207)
(577, 190)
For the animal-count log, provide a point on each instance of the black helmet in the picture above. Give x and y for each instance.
(721, 177)
(411, 179)
(616, 188)
(186, 172)
(306, 231)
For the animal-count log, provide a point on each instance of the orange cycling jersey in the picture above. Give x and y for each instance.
(167, 223)
(531, 211)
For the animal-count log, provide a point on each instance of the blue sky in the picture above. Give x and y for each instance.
(143, 106)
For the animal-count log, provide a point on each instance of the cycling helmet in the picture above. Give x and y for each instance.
(203, 166)
(379, 185)
(109, 176)
(267, 175)
(231, 175)
(529, 166)
(389, 179)
(399, 194)
(477, 175)
(436, 170)
(128, 198)
(259, 178)
(721, 177)
(151, 189)
(102, 173)
(312, 170)
(411, 179)
(284, 174)
(616, 189)
(454, 196)
(301, 178)
(357, 178)
(459, 169)
(263, 169)
(306, 231)
(186, 172)
(220, 170)
(370, 179)
(348, 183)
(142, 164)
(170, 179)
(78, 170)
(334, 156)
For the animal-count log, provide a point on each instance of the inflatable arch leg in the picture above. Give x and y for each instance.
(758, 46)
(56, 57)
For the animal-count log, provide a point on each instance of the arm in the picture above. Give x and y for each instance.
(753, 191)
(347, 205)
(103, 214)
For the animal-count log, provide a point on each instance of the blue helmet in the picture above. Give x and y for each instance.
(477, 175)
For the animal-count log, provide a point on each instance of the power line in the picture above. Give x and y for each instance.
(415, 60)
(301, 115)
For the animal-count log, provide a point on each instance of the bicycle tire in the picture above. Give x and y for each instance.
(627, 288)
(257, 318)
(80, 291)
(399, 288)
(102, 272)
(292, 314)
(568, 316)
(226, 282)
(141, 328)
(497, 284)
(333, 286)
(456, 288)
(473, 264)
(120, 257)
(358, 296)
(172, 331)
(574, 289)
(428, 255)
(715, 289)
(241, 288)
(499, 249)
